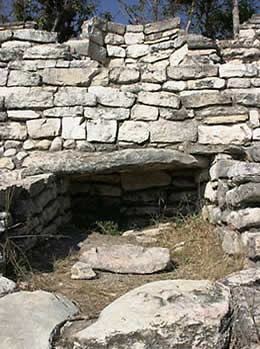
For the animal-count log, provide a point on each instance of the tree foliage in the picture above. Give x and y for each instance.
(63, 16)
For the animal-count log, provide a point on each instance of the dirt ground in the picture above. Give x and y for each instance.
(195, 251)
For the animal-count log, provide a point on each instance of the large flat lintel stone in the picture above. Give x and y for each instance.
(72, 162)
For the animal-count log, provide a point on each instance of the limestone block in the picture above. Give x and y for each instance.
(107, 113)
(172, 23)
(29, 144)
(35, 35)
(137, 51)
(69, 77)
(206, 83)
(173, 114)
(231, 70)
(255, 82)
(244, 218)
(187, 72)
(82, 271)
(197, 99)
(231, 243)
(252, 242)
(134, 38)
(13, 131)
(72, 96)
(144, 113)
(117, 28)
(69, 144)
(111, 97)
(245, 194)
(5, 35)
(97, 52)
(114, 39)
(79, 47)
(56, 144)
(29, 97)
(254, 118)
(154, 75)
(164, 131)
(238, 83)
(21, 155)
(229, 119)
(43, 144)
(124, 75)
(134, 131)
(73, 128)
(115, 51)
(135, 28)
(173, 86)
(256, 134)
(10, 152)
(161, 99)
(50, 51)
(7, 163)
(178, 55)
(101, 130)
(3, 77)
(248, 97)
(61, 112)
(7, 55)
(23, 78)
(222, 111)
(235, 134)
(43, 128)
(101, 79)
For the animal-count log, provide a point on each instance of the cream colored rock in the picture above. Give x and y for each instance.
(82, 271)
(134, 131)
(3, 77)
(101, 130)
(115, 51)
(22, 78)
(7, 163)
(134, 38)
(60, 112)
(50, 51)
(70, 77)
(22, 114)
(235, 134)
(35, 35)
(114, 39)
(178, 55)
(230, 70)
(111, 97)
(124, 75)
(13, 131)
(137, 51)
(73, 128)
(29, 97)
(173, 86)
(164, 131)
(229, 119)
(161, 99)
(187, 72)
(144, 113)
(107, 113)
(43, 128)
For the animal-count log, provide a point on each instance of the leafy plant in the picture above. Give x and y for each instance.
(108, 227)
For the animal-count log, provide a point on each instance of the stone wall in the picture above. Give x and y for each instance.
(156, 87)
(120, 87)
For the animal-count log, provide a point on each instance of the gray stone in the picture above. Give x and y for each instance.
(206, 83)
(107, 113)
(32, 316)
(111, 97)
(5, 35)
(169, 318)
(137, 51)
(247, 97)
(35, 36)
(62, 112)
(22, 78)
(13, 131)
(56, 144)
(43, 128)
(144, 113)
(134, 131)
(82, 271)
(154, 75)
(127, 259)
(230, 70)
(6, 286)
(97, 52)
(50, 51)
(197, 99)
(161, 99)
(124, 75)
(178, 55)
(172, 23)
(115, 51)
(252, 243)
(117, 28)
(244, 195)
(176, 115)
(234, 134)
(73, 128)
(101, 130)
(134, 28)
(238, 83)
(70, 77)
(29, 97)
(79, 47)
(192, 71)
(3, 77)
(174, 86)
(114, 39)
(231, 243)
(134, 38)
(76, 162)
(72, 96)
(244, 218)
(164, 131)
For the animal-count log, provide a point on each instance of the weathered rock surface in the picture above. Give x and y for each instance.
(6, 286)
(69, 162)
(28, 319)
(82, 271)
(165, 314)
(127, 259)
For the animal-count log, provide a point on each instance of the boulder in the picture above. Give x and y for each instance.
(28, 319)
(167, 314)
(127, 259)
(6, 286)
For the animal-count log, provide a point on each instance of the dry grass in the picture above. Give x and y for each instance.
(200, 257)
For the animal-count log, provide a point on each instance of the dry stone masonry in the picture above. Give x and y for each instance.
(92, 115)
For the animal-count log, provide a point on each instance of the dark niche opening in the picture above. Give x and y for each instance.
(134, 199)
